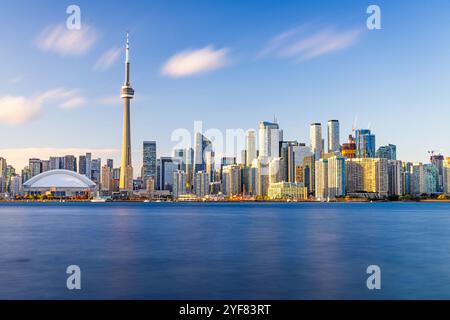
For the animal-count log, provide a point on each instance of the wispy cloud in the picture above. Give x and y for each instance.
(300, 44)
(15, 110)
(108, 59)
(59, 39)
(193, 62)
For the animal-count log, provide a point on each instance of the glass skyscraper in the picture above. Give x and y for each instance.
(149, 160)
(365, 143)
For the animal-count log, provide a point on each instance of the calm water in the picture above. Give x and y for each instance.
(224, 251)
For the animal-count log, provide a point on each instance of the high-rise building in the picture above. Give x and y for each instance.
(365, 143)
(81, 165)
(367, 175)
(387, 152)
(406, 177)
(315, 135)
(70, 163)
(447, 176)
(336, 177)
(438, 161)
(395, 173)
(26, 174)
(202, 146)
(202, 184)
(321, 179)
(126, 93)
(334, 144)
(418, 182)
(250, 147)
(88, 165)
(287, 190)
(106, 180)
(349, 149)
(110, 163)
(431, 178)
(276, 170)
(167, 167)
(231, 180)
(149, 160)
(15, 187)
(179, 183)
(269, 139)
(35, 166)
(96, 170)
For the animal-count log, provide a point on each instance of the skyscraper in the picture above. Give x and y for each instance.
(250, 146)
(315, 135)
(336, 177)
(387, 152)
(438, 161)
(202, 146)
(269, 139)
(149, 160)
(333, 136)
(365, 143)
(321, 179)
(126, 93)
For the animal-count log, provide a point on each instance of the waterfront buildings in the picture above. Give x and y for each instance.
(367, 175)
(231, 180)
(316, 141)
(365, 143)
(179, 184)
(269, 139)
(336, 177)
(387, 152)
(126, 93)
(333, 136)
(201, 184)
(250, 147)
(287, 190)
(149, 160)
(321, 179)
(447, 176)
(395, 176)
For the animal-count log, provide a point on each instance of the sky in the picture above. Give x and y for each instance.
(229, 64)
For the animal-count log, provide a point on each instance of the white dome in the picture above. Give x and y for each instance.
(60, 179)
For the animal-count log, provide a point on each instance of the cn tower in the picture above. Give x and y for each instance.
(126, 93)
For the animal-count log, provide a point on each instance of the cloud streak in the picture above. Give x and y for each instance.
(58, 39)
(193, 62)
(16, 110)
(300, 45)
(108, 59)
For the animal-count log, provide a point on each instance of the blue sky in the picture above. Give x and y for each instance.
(229, 64)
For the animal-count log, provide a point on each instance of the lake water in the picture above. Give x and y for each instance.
(225, 250)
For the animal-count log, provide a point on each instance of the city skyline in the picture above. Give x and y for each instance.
(293, 94)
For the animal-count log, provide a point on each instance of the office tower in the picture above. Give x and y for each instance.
(447, 176)
(180, 156)
(315, 135)
(226, 161)
(418, 185)
(89, 165)
(262, 176)
(334, 144)
(126, 93)
(201, 184)
(189, 169)
(438, 162)
(250, 147)
(81, 164)
(349, 149)
(431, 178)
(26, 174)
(365, 143)
(106, 180)
(149, 160)
(321, 183)
(387, 152)
(269, 139)
(96, 165)
(288, 152)
(70, 163)
(406, 177)
(209, 163)
(309, 168)
(367, 175)
(336, 177)
(395, 173)
(110, 163)
(243, 157)
(276, 170)
(15, 188)
(167, 167)
(231, 180)
(202, 146)
(179, 183)
(35, 166)
(45, 164)
(3, 165)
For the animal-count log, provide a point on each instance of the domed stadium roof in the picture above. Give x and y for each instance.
(60, 179)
